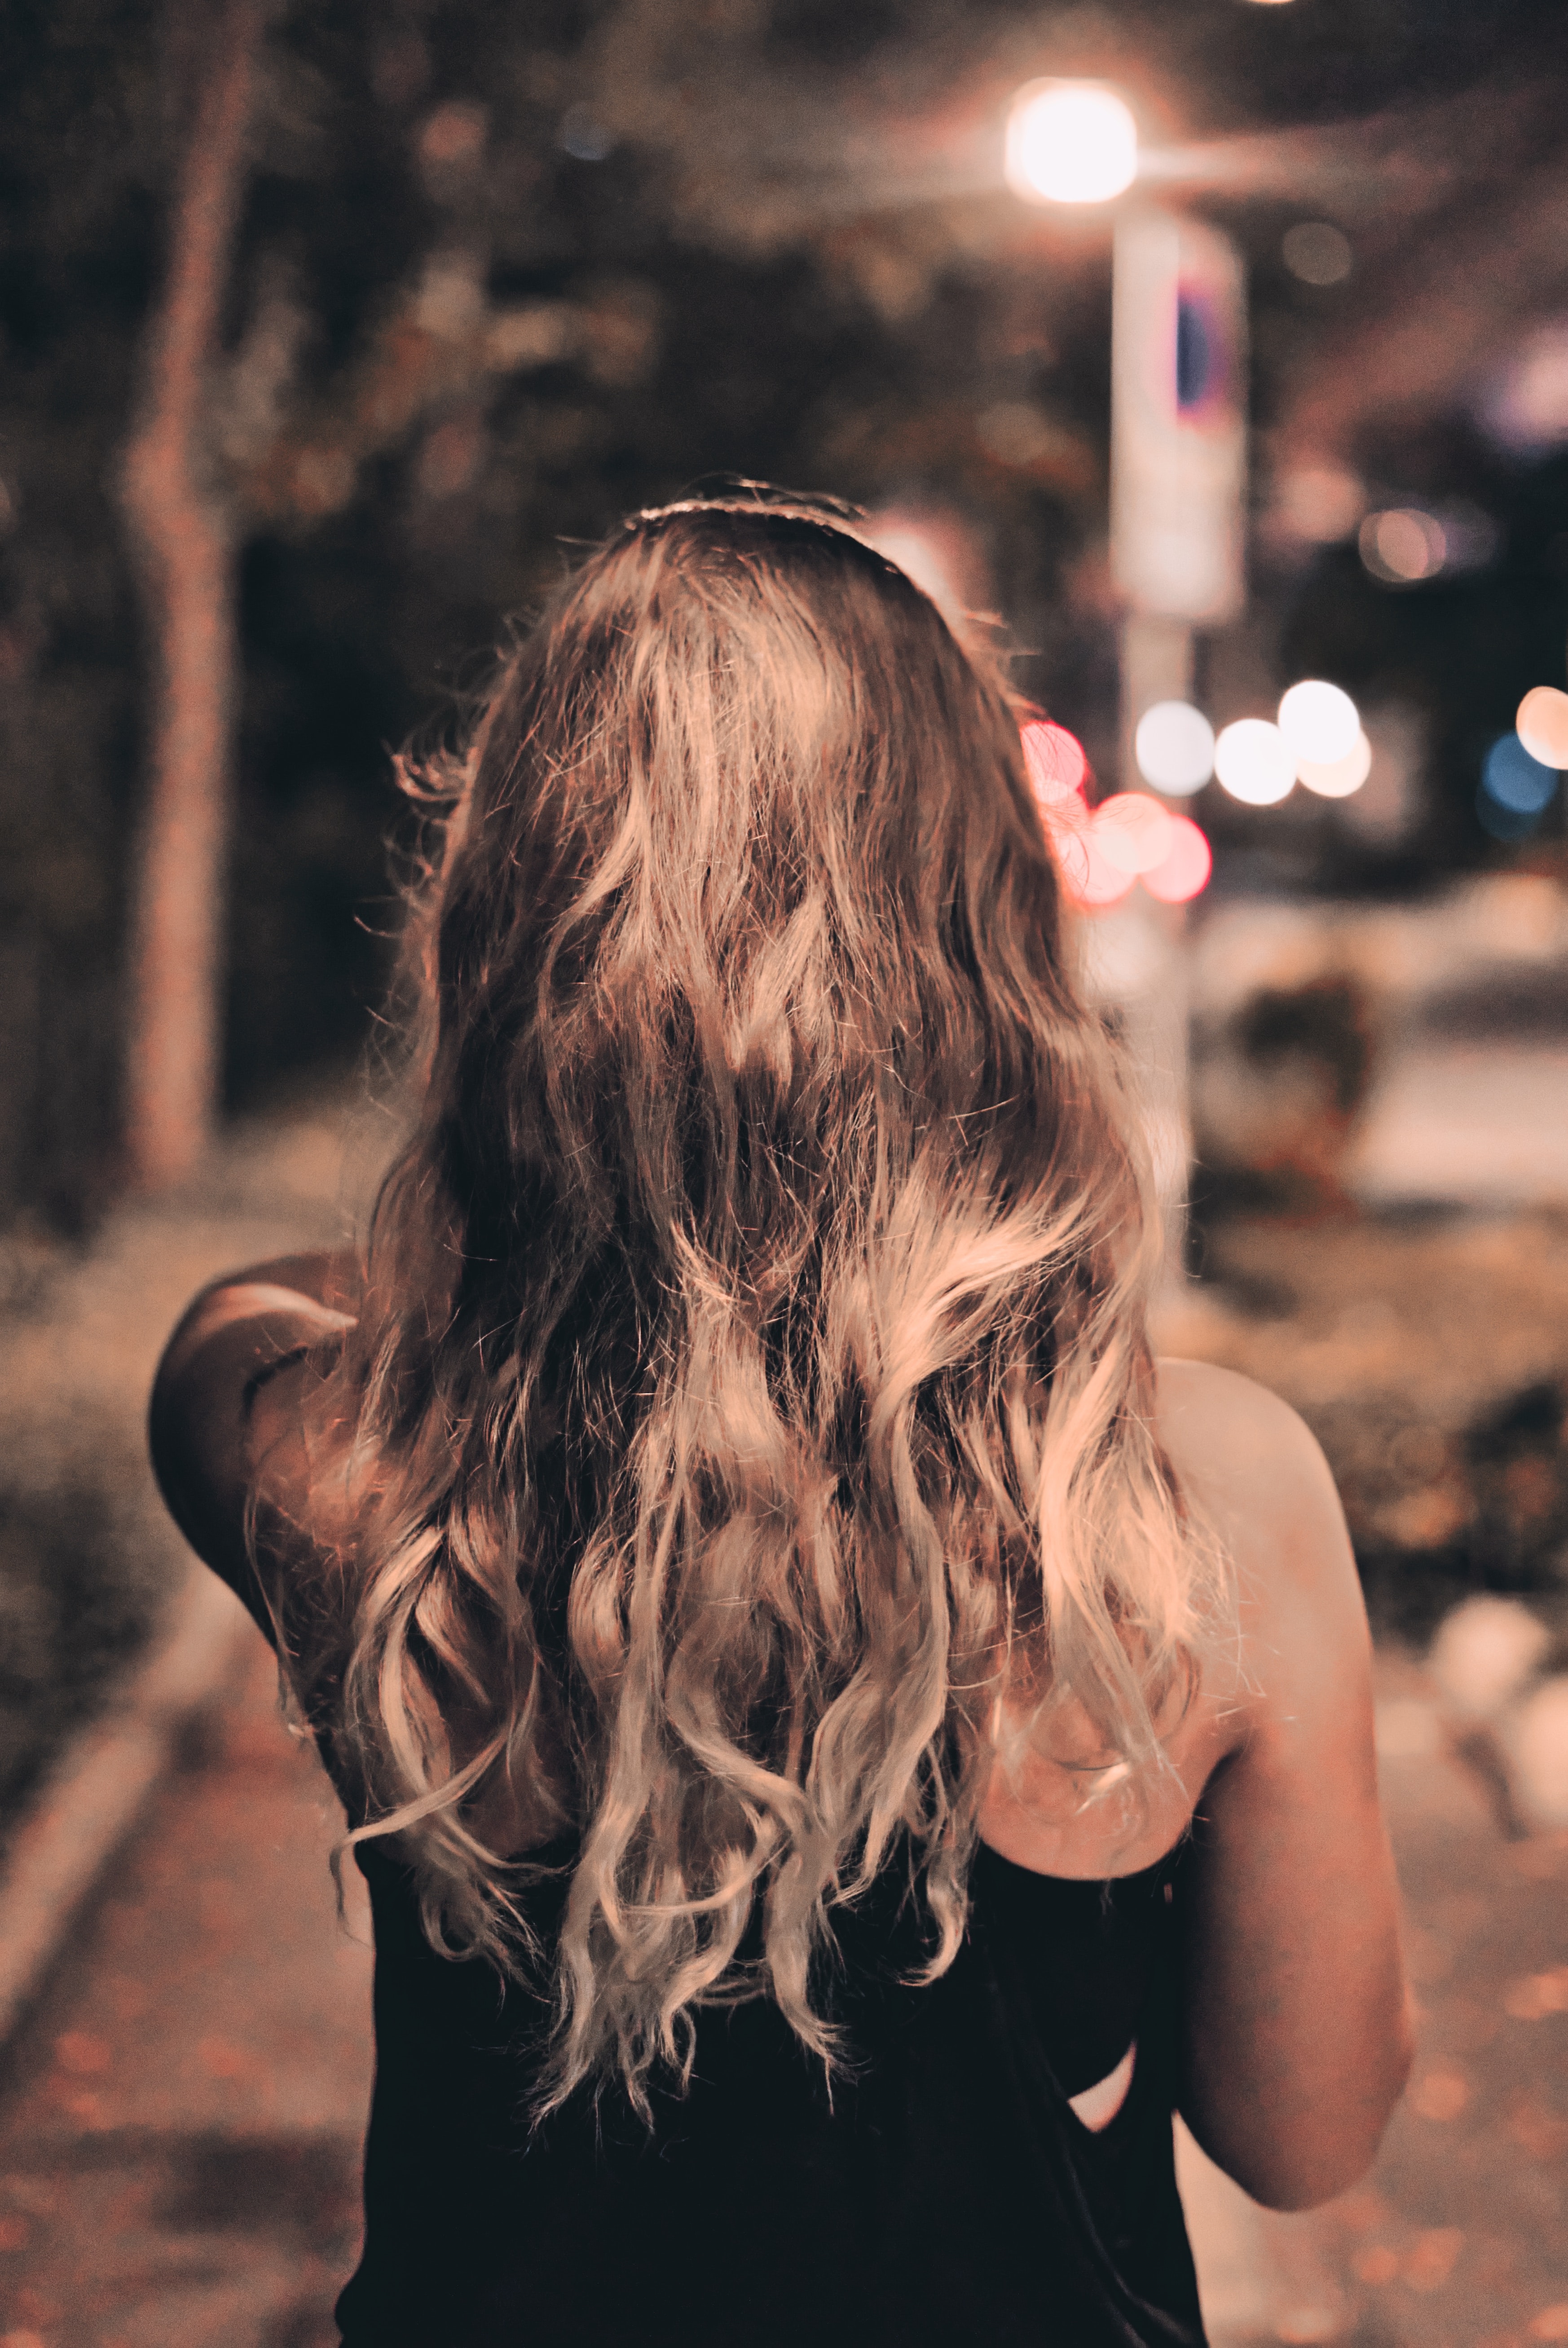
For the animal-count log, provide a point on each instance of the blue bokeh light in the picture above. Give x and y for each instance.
(1503, 823)
(584, 137)
(1514, 780)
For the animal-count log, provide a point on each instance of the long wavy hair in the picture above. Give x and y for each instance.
(748, 1425)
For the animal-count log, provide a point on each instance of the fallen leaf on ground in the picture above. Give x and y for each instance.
(1441, 2096)
(1431, 2260)
(1534, 1995)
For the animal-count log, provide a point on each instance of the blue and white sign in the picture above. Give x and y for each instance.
(1178, 430)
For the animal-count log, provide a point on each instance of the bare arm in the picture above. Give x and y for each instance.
(230, 1340)
(1298, 2031)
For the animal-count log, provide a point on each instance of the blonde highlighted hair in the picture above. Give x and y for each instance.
(750, 1386)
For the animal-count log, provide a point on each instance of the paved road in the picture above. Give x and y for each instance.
(179, 2149)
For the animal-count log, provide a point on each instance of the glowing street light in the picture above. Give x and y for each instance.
(1071, 142)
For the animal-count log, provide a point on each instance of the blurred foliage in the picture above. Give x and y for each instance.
(1325, 1022)
(1277, 1092)
(1428, 1354)
(90, 1557)
(77, 1599)
(83, 151)
(1438, 1513)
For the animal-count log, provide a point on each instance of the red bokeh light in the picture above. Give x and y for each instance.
(1056, 763)
(1088, 874)
(1134, 830)
(1130, 836)
(1185, 867)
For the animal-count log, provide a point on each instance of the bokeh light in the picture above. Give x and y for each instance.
(1057, 766)
(1098, 882)
(1513, 779)
(1071, 142)
(1319, 503)
(1319, 721)
(1337, 778)
(1402, 544)
(1255, 762)
(1508, 825)
(933, 546)
(1174, 748)
(1185, 867)
(1317, 253)
(1089, 874)
(1527, 410)
(1543, 724)
(1133, 831)
(1058, 772)
(1102, 852)
(584, 137)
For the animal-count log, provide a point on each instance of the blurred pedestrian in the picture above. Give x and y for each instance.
(841, 1744)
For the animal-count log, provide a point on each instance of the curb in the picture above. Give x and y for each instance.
(101, 1786)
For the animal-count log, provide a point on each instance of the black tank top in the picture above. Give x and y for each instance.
(946, 2192)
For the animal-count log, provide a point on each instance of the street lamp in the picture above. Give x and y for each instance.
(1071, 142)
(1178, 429)
(1178, 463)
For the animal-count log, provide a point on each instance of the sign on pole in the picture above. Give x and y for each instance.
(1178, 423)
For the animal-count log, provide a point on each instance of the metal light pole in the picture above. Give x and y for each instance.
(1178, 441)
(1178, 428)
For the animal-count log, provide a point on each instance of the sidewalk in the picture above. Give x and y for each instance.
(178, 2150)
(1459, 2238)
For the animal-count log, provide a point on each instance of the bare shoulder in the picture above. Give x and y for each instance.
(1254, 1470)
(297, 1527)
(227, 1424)
(1237, 1447)
(281, 1466)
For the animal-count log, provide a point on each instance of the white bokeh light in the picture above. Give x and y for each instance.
(1319, 721)
(1174, 748)
(1255, 762)
(1071, 142)
(1543, 724)
(1337, 778)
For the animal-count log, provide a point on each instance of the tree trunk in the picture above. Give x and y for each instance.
(184, 542)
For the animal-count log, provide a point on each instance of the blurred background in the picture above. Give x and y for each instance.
(1217, 350)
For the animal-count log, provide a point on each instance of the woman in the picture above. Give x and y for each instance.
(840, 1744)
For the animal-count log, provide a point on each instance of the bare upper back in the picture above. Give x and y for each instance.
(1247, 1464)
